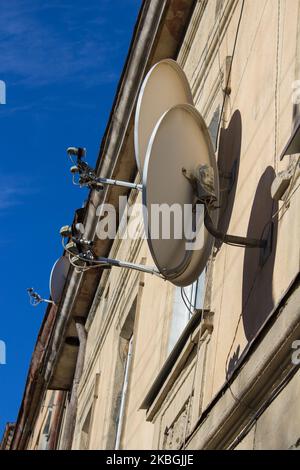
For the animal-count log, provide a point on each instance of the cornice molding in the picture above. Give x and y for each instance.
(191, 32)
(216, 37)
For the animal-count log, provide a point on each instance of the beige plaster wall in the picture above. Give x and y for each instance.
(243, 293)
(250, 112)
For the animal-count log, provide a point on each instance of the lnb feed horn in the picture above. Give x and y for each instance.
(78, 152)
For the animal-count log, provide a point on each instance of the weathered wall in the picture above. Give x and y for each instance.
(257, 123)
(278, 427)
(151, 299)
(240, 287)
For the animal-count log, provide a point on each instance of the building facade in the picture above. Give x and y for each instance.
(128, 360)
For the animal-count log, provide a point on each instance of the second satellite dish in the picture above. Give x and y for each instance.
(179, 147)
(58, 277)
(164, 87)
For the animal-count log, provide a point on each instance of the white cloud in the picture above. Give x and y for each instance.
(37, 42)
(13, 189)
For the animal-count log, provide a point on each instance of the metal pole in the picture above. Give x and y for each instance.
(124, 264)
(48, 301)
(124, 184)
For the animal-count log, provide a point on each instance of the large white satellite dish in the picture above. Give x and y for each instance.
(179, 141)
(58, 277)
(175, 155)
(165, 86)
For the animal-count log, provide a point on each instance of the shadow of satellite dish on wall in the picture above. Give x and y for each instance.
(257, 293)
(229, 162)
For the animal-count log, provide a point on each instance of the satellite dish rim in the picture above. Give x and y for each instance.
(212, 156)
(63, 264)
(187, 89)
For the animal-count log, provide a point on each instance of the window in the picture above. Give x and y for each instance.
(86, 420)
(44, 437)
(85, 431)
(43, 442)
(185, 302)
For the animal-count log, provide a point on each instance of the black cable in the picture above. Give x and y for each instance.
(187, 299)
(183, 299)
(229, 72)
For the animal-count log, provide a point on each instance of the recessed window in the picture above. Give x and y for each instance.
(186, 300)
(85, 431)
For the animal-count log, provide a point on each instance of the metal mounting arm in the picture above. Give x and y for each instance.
(122, 264)
(202, 182)
(81, 249)
(87, 174)
(124, 184)
(231, 239)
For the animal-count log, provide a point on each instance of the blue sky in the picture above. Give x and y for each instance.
(61, 61)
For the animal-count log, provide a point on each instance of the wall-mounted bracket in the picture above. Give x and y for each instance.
(232, 239)
(229, 178)
(88, 177)
(36, 299)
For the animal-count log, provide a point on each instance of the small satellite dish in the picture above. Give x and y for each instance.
(180, 143)
(164, 87)
(58, 277)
